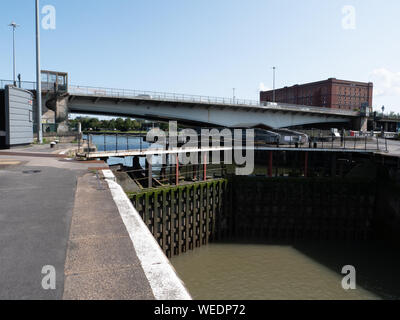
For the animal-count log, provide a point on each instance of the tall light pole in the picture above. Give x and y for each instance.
(38, 77)
(234, 95)
(273, 85)
(14, 26)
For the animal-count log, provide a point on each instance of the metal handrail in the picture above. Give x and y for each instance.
(118, 142)
(153, 95)
(27, 85)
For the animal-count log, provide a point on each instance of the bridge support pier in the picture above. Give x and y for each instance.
(360, 124)
(59, 104)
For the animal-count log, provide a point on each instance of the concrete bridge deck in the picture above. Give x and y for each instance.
(188, 109)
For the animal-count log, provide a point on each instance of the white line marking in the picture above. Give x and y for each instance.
(162, 276)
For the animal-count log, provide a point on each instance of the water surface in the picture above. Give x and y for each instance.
(260, 272)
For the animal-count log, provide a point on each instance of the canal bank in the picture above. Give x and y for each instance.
(59, 212)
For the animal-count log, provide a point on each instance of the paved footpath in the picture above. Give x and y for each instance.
(55, 212)
(101, 261)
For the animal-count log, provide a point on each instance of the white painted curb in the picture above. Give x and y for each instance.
(163, 279)
(108, 175)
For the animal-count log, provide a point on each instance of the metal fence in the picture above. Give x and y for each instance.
(107, 142)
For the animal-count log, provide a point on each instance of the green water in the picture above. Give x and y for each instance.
(263, 272)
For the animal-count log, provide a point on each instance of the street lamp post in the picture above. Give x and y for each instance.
(14, 26)
(38, 78)
(234, 98)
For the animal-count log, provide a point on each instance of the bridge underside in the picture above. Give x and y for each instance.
(200, 114)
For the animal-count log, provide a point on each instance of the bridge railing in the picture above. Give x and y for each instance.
(153, 95)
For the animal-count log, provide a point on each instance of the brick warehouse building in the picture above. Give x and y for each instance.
(331, 93)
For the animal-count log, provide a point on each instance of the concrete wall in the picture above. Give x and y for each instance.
(18, 116)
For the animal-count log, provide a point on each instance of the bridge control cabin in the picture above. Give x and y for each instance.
(53, 81)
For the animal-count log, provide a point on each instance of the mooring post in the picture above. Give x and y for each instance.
(149, 163)
(194, 166)
(306, 165)
(270, 164)
(344, 138)
(205, 166)
(177, 170)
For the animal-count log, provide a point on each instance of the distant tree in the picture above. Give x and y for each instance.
(120, 124)
(128, 125)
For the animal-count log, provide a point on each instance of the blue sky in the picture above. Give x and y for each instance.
(208, 47)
